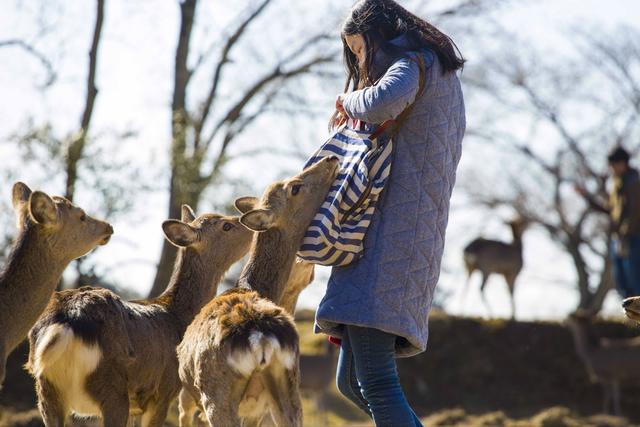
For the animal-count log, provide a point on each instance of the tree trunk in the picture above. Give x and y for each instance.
(179, 163)
(76, 146)
(583, 275)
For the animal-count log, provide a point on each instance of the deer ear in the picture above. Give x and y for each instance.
(20, 194)
(246, 203)
(258, 219)
(42, 208)
(187, 213)
(179, 233)
(20, 199)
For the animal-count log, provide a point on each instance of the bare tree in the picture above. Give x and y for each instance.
(556, 119)
(200, 138)
(76, 145)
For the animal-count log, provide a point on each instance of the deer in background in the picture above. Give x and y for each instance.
(608, 361)
(95, 354)
(51, 233)
(239, 357)
(493, 256)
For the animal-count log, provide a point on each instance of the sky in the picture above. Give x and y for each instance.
(135, 77)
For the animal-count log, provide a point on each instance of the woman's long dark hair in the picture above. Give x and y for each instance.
(379, 21)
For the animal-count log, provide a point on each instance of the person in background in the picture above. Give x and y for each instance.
(623, 207)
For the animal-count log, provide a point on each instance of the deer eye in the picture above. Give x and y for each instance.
(83, 217)
(227, 226)
(296, 189)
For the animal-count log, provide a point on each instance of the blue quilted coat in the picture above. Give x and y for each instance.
(391, 287)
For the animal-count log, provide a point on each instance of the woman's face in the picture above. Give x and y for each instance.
(357, 46)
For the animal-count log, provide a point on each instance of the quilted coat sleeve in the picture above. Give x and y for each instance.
(388, 97)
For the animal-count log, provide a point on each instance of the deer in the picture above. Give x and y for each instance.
(301, 276)
(239, 359)
(493, 256)
(52, 232)
(317, 371)
(631, 308)
(95, 354)
(607, 361)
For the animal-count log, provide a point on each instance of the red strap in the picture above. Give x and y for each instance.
(335, 341)
(381, 129)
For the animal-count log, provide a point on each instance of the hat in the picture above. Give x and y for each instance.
(618, 154)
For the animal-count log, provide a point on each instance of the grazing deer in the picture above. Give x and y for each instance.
(239, 357)
(608, 361)
(95, 354)
(493, 256)
(51, 233)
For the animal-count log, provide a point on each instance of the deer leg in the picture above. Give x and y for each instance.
(606, 388)
(115, 412)
(511, 283)
(51, 408)
(485, 277)
(155, 414)
(465, 289)
(187, 405)
(108, 385)
(3, 363)
(286, 407)
(219, 408)
(615, 391)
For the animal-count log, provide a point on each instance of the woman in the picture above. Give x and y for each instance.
(379, 304)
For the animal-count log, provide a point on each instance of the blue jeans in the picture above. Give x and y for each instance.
(626, 269)
(367, 376)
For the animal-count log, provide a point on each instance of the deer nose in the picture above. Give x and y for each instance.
(627, 302)
(109, 229)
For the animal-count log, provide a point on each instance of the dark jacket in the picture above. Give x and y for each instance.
(623, 205)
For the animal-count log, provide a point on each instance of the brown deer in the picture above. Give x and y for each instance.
(493, 256)
(632, 308)
(301, 276)
(608, 361)
(94, 354)
(51, 233)
(317, 371)
(239, 357)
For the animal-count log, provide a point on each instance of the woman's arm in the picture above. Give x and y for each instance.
(389, 97)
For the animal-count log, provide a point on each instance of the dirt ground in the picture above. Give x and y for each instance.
(475, 373)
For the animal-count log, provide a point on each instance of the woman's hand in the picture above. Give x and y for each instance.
(339, 106)
(342, 115)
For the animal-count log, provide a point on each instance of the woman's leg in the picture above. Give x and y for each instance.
(374, 359)
(346, 376)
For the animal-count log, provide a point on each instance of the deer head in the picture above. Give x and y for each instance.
(209, 235)
(60, 226)
(291, 204)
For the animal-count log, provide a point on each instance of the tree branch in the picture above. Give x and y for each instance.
(44, 61)
(224, 59)
(277, 74)
(76, 147)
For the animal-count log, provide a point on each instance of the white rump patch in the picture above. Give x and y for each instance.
(261, 350)
(66, 361)
(287, 357)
